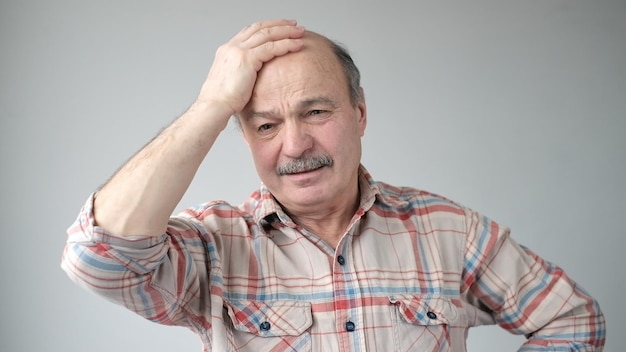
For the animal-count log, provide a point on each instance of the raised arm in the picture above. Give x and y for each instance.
(140, 197)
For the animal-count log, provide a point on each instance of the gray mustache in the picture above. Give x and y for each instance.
(304, 164)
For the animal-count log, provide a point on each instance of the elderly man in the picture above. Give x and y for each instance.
(321, 257)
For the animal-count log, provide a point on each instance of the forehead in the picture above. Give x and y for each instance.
(312, 72)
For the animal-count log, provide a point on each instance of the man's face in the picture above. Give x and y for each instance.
(303, 132)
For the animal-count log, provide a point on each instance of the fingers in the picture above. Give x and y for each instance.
(268, 39)
(249, 30)
(263, 32)
(272, 49)
(234, 71)
(271, 34)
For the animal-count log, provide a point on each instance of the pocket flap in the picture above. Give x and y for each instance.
(275, 318)
(427, 310)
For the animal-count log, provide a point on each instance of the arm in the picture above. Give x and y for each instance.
(140, 197)
(124, 246)
(164, 279)
(528, 295)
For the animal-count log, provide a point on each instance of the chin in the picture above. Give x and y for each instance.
(302, 197)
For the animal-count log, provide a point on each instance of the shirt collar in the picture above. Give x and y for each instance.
(267, 210)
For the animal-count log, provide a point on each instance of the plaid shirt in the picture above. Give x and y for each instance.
(412, 272)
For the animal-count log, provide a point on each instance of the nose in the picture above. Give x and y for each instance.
(297, 139)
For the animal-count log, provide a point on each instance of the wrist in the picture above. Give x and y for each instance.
(208, 110)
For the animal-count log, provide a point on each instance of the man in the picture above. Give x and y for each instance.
(321, 258)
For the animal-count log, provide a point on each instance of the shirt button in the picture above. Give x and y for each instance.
(265, 326)
(431, 315)
(350, 326)
(341, 260)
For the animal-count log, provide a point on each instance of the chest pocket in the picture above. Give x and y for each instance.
(270, 326)
(427, 323)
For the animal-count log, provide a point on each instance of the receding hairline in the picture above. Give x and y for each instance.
(342, 57)
(320, 37)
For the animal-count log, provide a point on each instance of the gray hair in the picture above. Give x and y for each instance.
(307, 163)
(351, 72)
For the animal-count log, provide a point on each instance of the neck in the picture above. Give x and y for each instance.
(328, 222)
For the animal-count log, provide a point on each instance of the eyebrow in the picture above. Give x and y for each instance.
(322, 100)
(302, 105)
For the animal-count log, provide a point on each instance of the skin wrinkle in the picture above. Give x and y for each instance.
(301, 106)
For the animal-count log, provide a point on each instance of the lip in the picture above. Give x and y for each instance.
(302, 176)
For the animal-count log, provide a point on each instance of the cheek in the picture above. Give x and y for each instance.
(345, 142)
(263, 157)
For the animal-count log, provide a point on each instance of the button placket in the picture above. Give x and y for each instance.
(347, 288)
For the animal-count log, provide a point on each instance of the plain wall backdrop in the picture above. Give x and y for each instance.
(514, 108)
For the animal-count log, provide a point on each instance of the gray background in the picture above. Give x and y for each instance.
(516, 109)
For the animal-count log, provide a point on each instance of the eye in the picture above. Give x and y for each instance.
(264, 127)
(317, 112)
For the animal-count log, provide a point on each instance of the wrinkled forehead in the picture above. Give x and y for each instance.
(312, 72)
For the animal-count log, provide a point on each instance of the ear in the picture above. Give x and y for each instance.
(362, 113)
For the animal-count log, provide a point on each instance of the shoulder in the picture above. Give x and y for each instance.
(417, 200)
(431, 212)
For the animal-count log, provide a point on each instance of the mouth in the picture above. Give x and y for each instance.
(303, 171)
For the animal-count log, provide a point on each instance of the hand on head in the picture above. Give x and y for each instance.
(234, 71)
